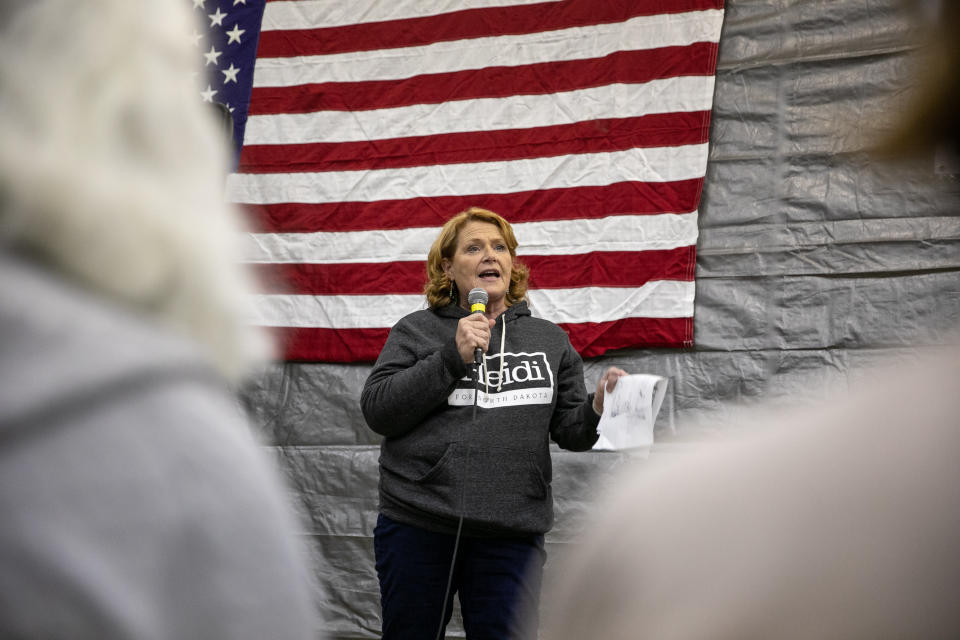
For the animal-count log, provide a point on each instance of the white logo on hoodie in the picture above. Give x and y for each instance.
(516, 379)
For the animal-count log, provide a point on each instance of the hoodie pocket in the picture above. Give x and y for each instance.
(493, 485)
(439, 471)
(502, 482)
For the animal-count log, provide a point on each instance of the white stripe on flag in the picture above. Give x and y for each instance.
(657, 164)
(576, 43)
(557, 237)
(320, 14)
(668, 95)
(657, 299)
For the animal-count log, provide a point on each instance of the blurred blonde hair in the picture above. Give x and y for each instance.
(931, 118)
(439, 286)
(112, 169)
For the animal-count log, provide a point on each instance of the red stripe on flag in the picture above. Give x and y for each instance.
(637, 198)
(627, 67)
(608, 268)
(595, 136)
(375, 278)
(329, 345)
(469, 23)
(590, 339)
(596, 338)
(596, 269)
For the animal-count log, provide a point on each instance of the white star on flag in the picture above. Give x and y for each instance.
(208, 94)
(230, 75)
(235, 34)
(217, 18)
(212, 55)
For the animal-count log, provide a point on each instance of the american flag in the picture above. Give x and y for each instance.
(370, 122)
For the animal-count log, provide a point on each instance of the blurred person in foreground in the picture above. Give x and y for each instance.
(134, 501)
(464, 501)
(841, 523)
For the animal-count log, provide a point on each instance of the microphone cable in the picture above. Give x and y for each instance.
(456, 541)
(453, 562)
(476, 392)
(477, 299)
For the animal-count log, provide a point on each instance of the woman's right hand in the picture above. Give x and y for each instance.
(472, 332)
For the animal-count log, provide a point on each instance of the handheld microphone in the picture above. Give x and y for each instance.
(477, 299)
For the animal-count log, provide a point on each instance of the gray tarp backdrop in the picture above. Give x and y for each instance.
(814, 260)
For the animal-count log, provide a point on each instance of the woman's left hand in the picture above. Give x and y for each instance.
(605, 384)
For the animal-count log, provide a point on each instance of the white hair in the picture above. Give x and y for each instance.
(112, 169)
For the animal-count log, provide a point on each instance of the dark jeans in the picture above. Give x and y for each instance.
(497, 580)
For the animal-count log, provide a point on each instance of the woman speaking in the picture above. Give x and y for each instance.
(465, 468)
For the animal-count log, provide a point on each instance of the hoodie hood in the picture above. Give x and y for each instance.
(513, 312)
(63, 348)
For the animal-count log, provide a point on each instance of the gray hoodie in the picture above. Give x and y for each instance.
(436, 462)
(134, 502)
